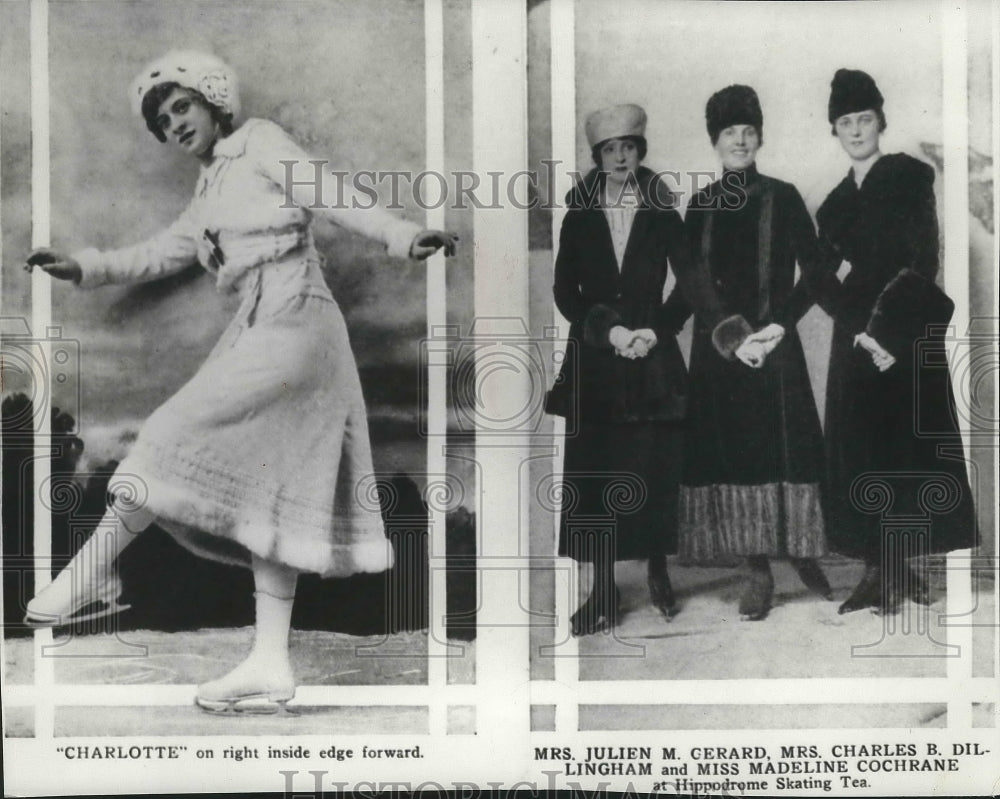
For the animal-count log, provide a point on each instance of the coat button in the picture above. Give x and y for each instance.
(718, 284)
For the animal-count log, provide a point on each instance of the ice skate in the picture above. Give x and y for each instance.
(596, 614)
(867, 593)
(916, 587)
(661, 592)
(252, 688)
(890, 596)
(755, 601)
(87, 589)
(812, 577)
(263, 684)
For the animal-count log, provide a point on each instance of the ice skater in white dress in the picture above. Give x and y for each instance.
(258, 458)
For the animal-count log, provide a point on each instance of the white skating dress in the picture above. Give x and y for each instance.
(266, 448)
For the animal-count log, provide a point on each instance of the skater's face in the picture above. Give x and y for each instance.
(187, 123)
(737, 146)
(858, 133)
(620, 160)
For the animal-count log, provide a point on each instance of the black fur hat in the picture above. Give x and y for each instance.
(734, 105)
(852, 90)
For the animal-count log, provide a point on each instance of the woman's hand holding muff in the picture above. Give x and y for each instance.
(428, 242)
(769, 336)
(621, 339)
(646, 334)
(752, 353)
(881, 357)
(55, 263)
(643, 341)
(758, 345)
(631, 344)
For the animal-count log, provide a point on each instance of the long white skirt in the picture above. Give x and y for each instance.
(266, 450)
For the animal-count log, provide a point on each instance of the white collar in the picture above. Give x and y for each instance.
(627, 198)
(235, 144)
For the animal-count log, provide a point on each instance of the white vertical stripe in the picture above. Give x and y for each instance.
(955, 138)
(995, 39)
(437, 412)
(41, 320)
(562, 31)
(5, 575)
(499, 135)
(955, 121)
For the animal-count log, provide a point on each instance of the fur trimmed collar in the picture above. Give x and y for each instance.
(235, 144)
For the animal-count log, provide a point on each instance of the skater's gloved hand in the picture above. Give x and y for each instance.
(880, 356)
(428, 242)
(57, 264)
(752, 353)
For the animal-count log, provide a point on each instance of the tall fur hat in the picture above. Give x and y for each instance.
(852, 90)
(734, 105)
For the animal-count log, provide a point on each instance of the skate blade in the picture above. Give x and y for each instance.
(45, 622)
(251, 705)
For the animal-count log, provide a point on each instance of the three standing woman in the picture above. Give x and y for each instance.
(760, 479)
(256, 460)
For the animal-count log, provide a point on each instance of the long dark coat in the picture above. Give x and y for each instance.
(623, 444)
(892, 443)
(753, 456)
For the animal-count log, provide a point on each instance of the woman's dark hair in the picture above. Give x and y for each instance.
(154, 99)
(878, 113)
(638, 141)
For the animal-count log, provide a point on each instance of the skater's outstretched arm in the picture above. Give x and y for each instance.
(280, 158)
(166, 253)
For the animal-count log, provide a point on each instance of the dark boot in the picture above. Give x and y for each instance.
(915, 585)
(661, 593)
(891, 594)
(600, 612)
(581, 620)
(758, 589)
(596, 615)
(812, 577)
(867, 593)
